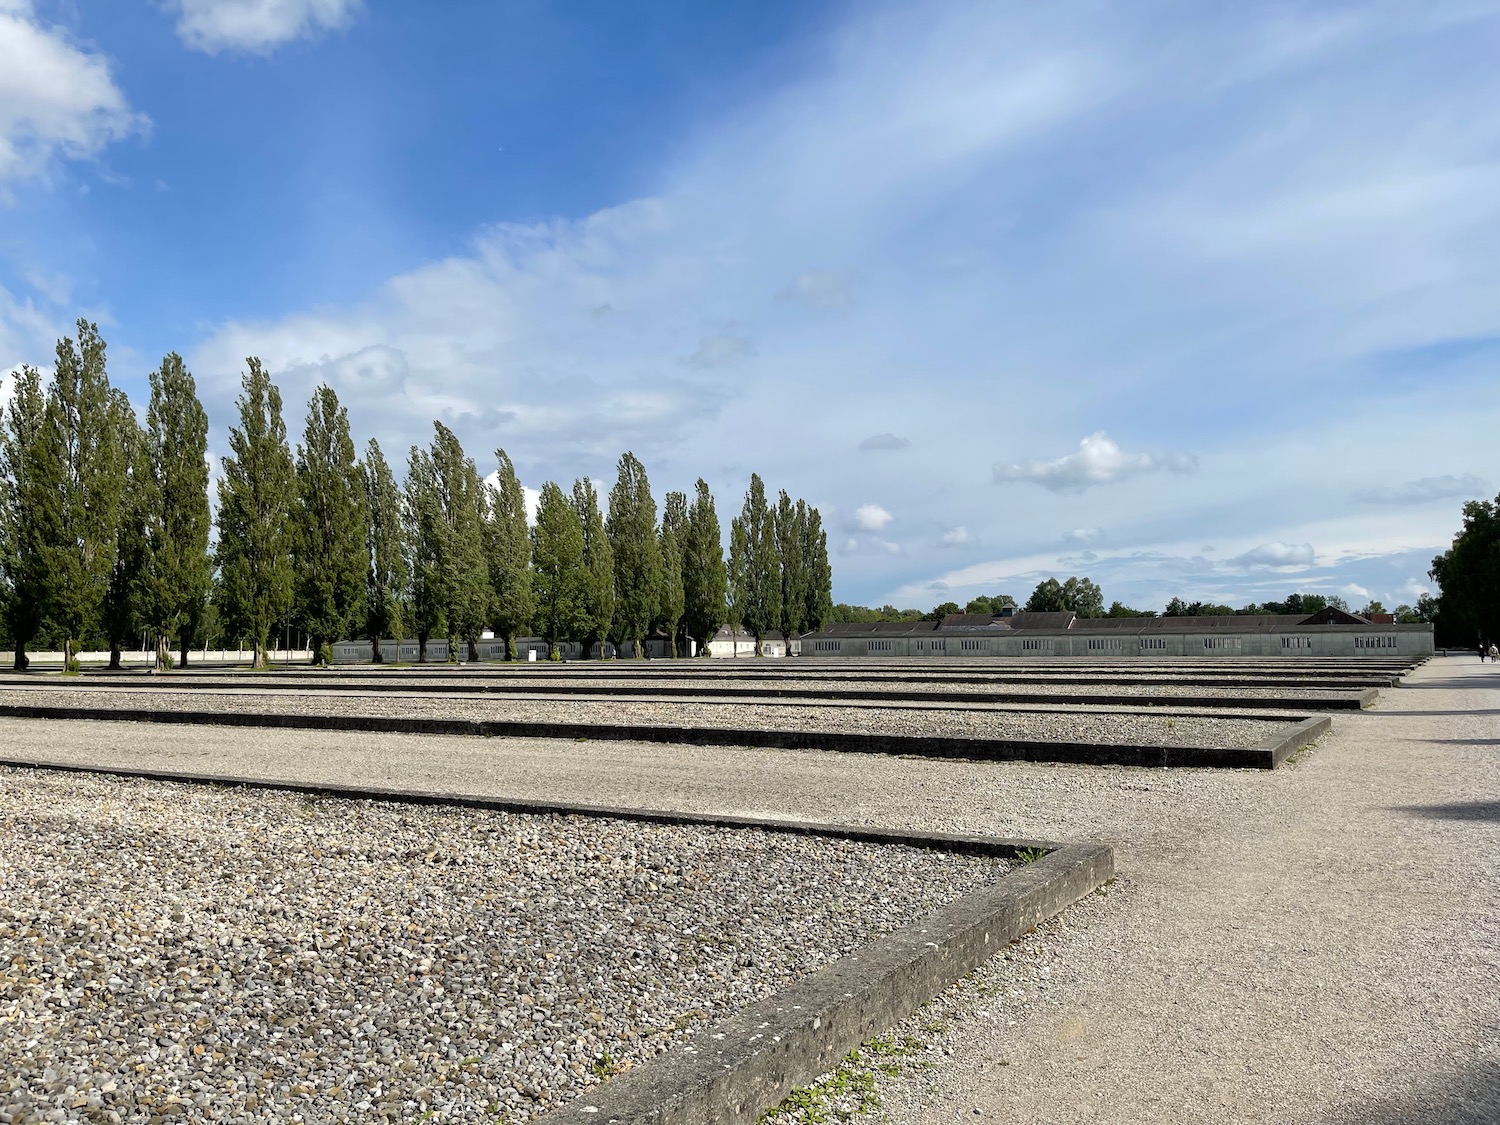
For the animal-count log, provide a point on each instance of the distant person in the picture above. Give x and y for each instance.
(1482, 651)
(1494, 652)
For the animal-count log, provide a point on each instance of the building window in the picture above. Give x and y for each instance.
(1036, 644)
(1375, 642)
(1153, 642)
(880, 646)
(970, 646)
(1111, 644)
(1296, 642)
(826, 646)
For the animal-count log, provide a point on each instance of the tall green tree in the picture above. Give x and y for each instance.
(124, 600)
(30, 508)
(636, 553)
(82, 434)
(421, 517)
(819, 573)
(1076, 595)
(705, 581)
(791, 529)
(670, 608)
(508, 548)
(598, 578)
(178, 567)
(256, 496)
(1468, 576)
(450, 539)
(331, 519)
(754, 567)
(557, 561)
(387, 571)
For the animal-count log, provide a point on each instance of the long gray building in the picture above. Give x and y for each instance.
(1329, 632)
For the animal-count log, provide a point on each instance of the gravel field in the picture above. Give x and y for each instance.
(1071, 726)
(227, 955)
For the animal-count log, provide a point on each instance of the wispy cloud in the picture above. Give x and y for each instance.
(1426, 490)
(1083, 535)
(1099, 460)
(57, 100)
(1280, 556)
(883, 443)
(958, 537)
(258, 26)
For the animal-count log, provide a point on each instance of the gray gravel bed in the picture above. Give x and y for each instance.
(1070, 726)
(227, 954)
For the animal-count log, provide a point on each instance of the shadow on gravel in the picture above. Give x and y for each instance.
(1462, 741)
(1462, 711)
(1458, 810)
(1471, 1097)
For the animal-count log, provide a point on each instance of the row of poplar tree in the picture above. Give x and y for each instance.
(106, 531)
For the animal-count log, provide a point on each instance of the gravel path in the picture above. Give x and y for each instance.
(1316, 945)
(1071, 726)
(224, 953)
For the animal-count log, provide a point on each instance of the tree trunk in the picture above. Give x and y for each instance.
(22, 660)
(163, 654)
(258, 654)
(68, 654)
(376, 655)
(114, 655)
(421, 650)
(510, 647)
(183, 644)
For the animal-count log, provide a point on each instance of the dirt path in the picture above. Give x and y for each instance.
(1316, 944)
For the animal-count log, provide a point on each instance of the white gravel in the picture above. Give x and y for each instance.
(226, 954)
(955, 722)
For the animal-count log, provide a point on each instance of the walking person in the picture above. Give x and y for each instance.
(1494, 652)
(1482, 651)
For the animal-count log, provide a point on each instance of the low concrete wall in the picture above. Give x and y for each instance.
(1262, 756)
(736, 1069)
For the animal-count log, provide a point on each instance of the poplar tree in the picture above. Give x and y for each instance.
(754, 570)
(330, 518)
(81, 433)
(124, 600)
(30, 507)
(598, 577)
(178, 569)
(704, 580)
(256, 495)
(557, 561)
(458, 537)
(791, 528)
(819, 575)
(637, 555)
(673, 528)
(387, 572)
(508, 547)
(421, 517)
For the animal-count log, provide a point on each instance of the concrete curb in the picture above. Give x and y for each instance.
(735, 1069)
(984, 749)
(1299, 736)
(1354, 699)
(747, 1063)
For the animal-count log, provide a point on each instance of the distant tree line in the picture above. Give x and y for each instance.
(106, 534)
(1084, 598)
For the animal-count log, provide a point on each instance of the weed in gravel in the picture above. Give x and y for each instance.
(1029, 855)
(848, 1089)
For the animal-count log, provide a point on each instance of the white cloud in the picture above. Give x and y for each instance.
(825, 290)
(531, 498)
(57, 101)
(1083, 535)
(1098, 461)
(1449, 487)
(880, 443)
(1412, 589)
(871, 517)
(719, 351)
(1280, 556)
(958, 537)
(257, 25)
(1354, 590)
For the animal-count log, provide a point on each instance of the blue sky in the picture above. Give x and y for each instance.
(1198, 300)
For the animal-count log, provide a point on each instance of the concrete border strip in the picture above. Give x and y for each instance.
(1261, 756)
(1280, 749)
(735, 1069)
(743, 1065)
